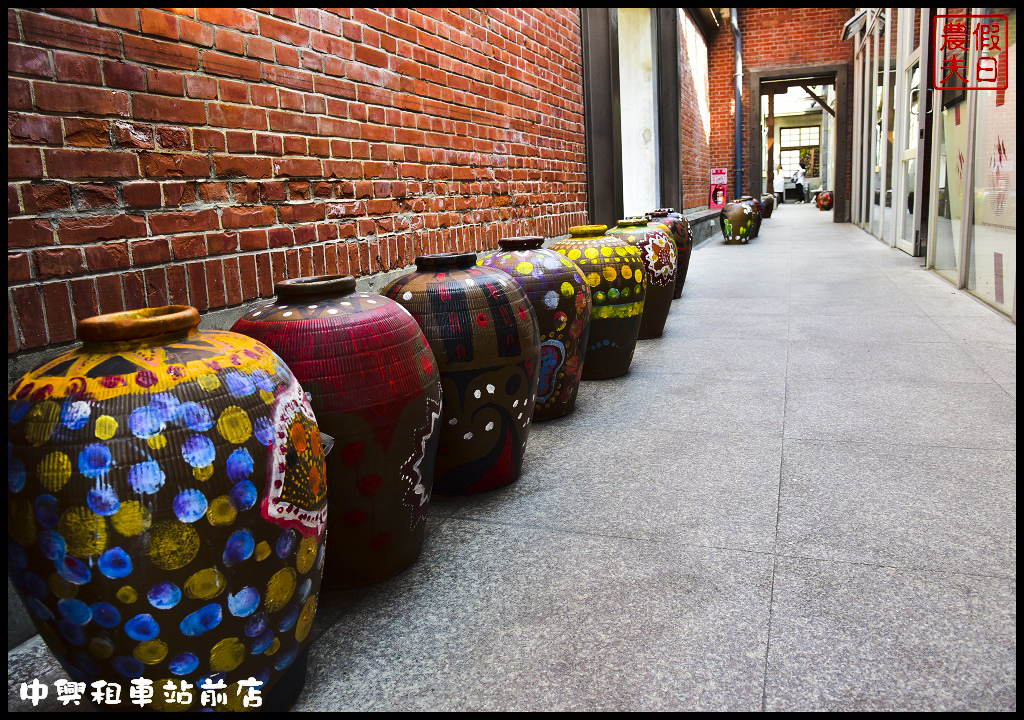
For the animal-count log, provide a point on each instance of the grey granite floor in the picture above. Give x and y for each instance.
(801, 497)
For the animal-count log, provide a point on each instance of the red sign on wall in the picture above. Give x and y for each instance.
(717, 195)
(983, 39)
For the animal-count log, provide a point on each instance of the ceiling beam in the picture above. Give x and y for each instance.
(819, 100)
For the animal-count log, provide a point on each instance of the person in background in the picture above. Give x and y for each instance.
(779, 185)
(799, 177)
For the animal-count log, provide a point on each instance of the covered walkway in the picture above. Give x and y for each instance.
(802, 497)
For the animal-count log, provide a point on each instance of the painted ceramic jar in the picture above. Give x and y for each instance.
(485, 339)
(615, 273)
(167, 501)
(560, 297)
(658, 252)
(767, 204)
(374, 387)
(758, 209)
(825, 200)
(737, 221)
(679, 228)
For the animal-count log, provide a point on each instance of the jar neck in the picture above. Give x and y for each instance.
(134, 325)
(527, 242)
(446, 261)
(299, 289)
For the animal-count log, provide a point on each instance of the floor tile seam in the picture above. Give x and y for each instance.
(902, 383)
(653, 540)
(889, 443)
(897, 568)
(928, 446)
(778, 515)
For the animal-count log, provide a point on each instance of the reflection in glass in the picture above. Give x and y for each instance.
(992, 248)
(910, 158)
(948, 200)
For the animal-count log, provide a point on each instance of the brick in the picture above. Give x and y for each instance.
(233, 91)
(212, 192)
(172, 165)
(173, 138)
(124, 76)
(158, 52)
(288, 77)
(79, 69)
(80, 230)
(243, 217)
(57, 305)
(19, 269)
(165, 82)
(292, 122)
(264, 275)
(284, 32)
(13, 203)
(281, 237)
(133, 285)
(52, 32)
(83, 298)
(177, 285)
(85, 132)
(241, 166)
(58, 262)
(197, 293)
(54, 97)
(24, 163)
(269, 145)
(186, 247)
(169, 223)
(24, 233)
(222, 243)
(83, 164)
(215, 283)
(217, 63)
(128, 135)
(301, 213)
(241, 142)
(150, 252)
(229, 41)
(28, 61)
(297, 167)
(19, 94)
(168, 109)
(141, 194)
(202, 88)
(232, 281)
(78, 13)
(249, 240)
(28, 308)
(33, 129)
(108, 292)
(247, 271)
(204, 139)
(243, 20)
(258, 47)
(124, 18)
(238, 116)
(154, 22)
(179, 193)
(96, 196)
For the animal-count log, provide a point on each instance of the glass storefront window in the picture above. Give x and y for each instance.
(947, 205)
(910, 152)
(992, 240)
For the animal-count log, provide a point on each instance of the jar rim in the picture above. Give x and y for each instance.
(523, 242)
(446, 261)
(138, 324)
(316, 285)
(587, 230)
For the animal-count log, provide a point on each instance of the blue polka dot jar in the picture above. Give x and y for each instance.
(167, 500)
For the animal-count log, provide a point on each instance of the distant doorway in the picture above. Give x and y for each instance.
(810, 126)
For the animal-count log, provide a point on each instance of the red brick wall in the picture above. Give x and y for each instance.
(696, 118)
(772, 38)
(198, 156)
